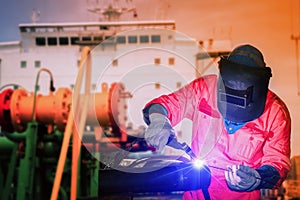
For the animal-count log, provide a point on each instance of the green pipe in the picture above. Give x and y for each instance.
(28, 164)
(6, 145)
(63, 194)
(10, 175)
(15, 136)
(55, 136)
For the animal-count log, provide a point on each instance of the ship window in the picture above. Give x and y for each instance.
(109, 40)
(86, 38)
(40, 41)
(132, 39)
(178, 84)
(98, 38)
(157, 86)
(23, 64)
(37, 64)
(74, 40)
(23, 29)
(157, 61)
(94, 87)
(171, 61)
(63, 41)
(26, 42)
(144, 39)
(52, 41)
(155, 38)
(115, 62)
(104, 27)
(121, 39)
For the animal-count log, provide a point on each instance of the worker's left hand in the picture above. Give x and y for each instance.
(242, 178)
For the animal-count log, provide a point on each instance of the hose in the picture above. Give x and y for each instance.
(52, 88)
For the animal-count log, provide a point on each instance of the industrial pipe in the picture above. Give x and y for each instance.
(6, 146)
(51, 109)
(106, 108)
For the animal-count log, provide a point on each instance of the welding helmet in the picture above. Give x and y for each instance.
(242, 84)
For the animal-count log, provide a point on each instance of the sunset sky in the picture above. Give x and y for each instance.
(266, 24)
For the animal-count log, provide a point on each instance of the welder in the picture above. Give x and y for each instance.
(239, 126)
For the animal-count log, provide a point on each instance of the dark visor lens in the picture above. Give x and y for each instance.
(240, 98)
(239, 101)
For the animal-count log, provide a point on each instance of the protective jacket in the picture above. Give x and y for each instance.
(263, 141)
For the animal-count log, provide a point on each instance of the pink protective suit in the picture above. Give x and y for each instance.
(263, 141)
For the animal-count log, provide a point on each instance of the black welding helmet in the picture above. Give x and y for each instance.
(242, 84)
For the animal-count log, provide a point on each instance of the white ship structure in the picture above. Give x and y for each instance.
(149, 57)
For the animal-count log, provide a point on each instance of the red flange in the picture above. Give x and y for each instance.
(5, 119)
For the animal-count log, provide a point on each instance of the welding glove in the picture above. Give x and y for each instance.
(159, 130)
(242, 178)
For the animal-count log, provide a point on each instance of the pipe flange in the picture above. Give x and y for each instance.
(15, 111)
(5, 118)
(117, 109)
(62, 107)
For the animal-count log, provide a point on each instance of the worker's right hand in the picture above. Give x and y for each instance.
(159, 130)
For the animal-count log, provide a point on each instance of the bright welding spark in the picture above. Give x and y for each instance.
(198, 163)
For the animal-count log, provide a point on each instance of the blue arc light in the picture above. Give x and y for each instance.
(198, 163)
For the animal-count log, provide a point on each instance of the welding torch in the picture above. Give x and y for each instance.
(173, 142)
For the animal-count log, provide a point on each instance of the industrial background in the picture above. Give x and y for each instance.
(72, 89)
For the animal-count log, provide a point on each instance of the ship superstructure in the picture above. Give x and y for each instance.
(57, 46)
(129, 51)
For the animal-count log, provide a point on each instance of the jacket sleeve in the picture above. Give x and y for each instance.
(181, 103)
(277, 147)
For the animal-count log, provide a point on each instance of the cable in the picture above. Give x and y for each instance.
(15, 86)
(52, 88)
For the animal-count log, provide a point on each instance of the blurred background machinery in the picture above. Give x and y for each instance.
(33, 132)
(30, 145)
(51, 145)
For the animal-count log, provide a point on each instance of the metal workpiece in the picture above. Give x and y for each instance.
(171, 178)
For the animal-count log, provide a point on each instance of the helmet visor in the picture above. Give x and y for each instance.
(242, 91)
